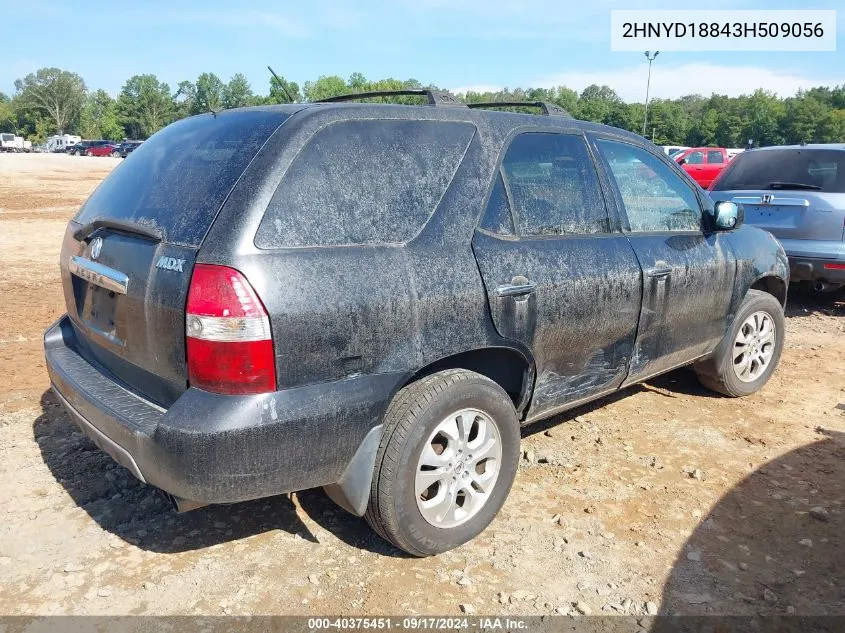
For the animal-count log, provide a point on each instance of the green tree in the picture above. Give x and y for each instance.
(237, 93)
(565, 97)
(667, 122)
(597, 103)
(99, 118)
(8, 116)
(284, 91)
(144, 106)
(804, 119)
(183, 99)
(763, 112)
(324, 87)
(56, 93)
(209, 94)
(832, 129)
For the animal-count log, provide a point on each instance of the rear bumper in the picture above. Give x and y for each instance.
(213, 448)
(816, 269)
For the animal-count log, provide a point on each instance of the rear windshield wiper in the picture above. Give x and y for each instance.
(792, 185)
(125, 226)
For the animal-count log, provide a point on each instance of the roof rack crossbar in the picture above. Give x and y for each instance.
(435, 97)
(549, 109)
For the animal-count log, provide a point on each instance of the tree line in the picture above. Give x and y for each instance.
(52, 101)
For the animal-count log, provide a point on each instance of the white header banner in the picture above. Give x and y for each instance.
(718, 31)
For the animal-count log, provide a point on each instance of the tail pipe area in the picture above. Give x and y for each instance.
(184, 505)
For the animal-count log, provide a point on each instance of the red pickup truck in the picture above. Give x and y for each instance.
(703, 163)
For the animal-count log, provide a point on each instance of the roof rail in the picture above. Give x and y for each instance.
(549, 109)
(435, 97)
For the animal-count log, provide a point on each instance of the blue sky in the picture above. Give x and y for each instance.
(456, 44)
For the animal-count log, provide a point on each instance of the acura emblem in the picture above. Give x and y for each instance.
(767, 198)
(96, 247)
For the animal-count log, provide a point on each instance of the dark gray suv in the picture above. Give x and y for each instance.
(373, 298)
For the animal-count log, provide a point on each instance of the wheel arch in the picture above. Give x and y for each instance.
(772, 284)
(510, 368)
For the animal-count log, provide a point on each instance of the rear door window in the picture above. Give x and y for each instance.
(554, 186)
(790, 168)
(714, 156)
(178, 179)
(373, 181)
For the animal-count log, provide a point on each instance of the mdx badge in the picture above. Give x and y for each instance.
(170, 263)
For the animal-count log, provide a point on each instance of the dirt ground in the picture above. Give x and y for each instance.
(665, 498)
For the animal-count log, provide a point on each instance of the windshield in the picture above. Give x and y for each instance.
(177, 180)
(789, 168)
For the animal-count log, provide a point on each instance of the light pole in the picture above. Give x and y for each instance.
(650, 59)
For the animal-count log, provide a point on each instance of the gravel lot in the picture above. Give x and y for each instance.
(665, 498)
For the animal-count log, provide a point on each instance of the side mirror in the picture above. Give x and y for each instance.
(728, 215)
(683, 161)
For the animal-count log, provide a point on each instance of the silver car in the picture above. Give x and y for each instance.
(797, 193)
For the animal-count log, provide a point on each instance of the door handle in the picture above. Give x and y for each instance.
(658, 273)
(516, 290)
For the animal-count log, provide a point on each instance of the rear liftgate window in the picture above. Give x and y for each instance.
(178, 179)
(810, 169)
(364, 182)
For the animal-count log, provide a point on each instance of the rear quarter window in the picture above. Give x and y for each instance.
(374, 181)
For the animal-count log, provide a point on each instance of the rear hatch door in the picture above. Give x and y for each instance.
(796, 194)
(128, 255)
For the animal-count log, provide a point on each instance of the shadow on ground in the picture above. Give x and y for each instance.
(142, 515)
(774, 544)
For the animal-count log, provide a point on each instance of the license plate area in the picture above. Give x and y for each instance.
(98, 309)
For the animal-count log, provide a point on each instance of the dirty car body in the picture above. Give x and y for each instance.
(385, 243)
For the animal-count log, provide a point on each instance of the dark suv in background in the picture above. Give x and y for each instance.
(78, 148)
(373, 298)
(798, 194)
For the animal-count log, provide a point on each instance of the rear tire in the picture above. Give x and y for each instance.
(467, 490)
(750, 351)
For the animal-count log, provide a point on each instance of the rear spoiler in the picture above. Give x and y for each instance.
(125, 226)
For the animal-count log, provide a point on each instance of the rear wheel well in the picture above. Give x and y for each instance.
(504, 366)
(774, 286)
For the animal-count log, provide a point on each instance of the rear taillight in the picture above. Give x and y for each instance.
(830, 266)
(229, 346)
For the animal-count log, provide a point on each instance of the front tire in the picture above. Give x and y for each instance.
(446, 462)
(748, 355)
